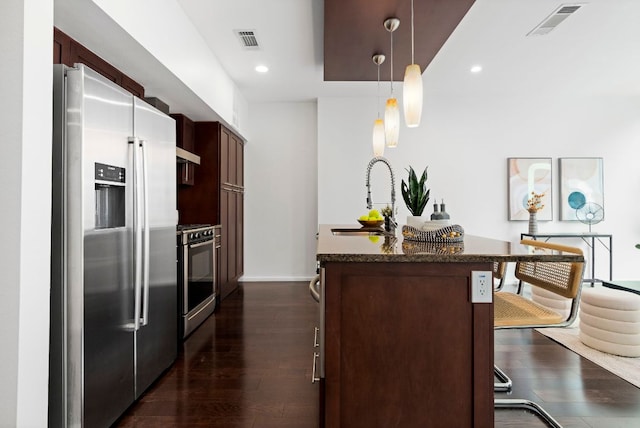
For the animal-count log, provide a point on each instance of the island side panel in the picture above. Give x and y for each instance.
(405, 347)
(483, 345)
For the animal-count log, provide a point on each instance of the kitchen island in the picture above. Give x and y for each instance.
(401, 342)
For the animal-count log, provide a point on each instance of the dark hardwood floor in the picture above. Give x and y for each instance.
(249, 365)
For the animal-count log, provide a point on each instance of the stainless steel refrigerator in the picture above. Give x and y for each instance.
(113, 297)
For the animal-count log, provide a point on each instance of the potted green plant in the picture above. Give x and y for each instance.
(415, 195)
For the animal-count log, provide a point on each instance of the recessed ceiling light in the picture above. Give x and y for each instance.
(476, 69)
(262, 68)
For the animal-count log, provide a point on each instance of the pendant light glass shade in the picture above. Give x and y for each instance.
(378, 137)
(412, 87)
(392, 122)
(412, 95)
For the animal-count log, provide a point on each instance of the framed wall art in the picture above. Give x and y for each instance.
(581, 182)
(526, 175)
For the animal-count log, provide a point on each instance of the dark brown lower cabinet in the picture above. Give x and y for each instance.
(405, 347)
(231, 219)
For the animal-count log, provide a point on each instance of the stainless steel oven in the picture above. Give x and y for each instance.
(198, 247)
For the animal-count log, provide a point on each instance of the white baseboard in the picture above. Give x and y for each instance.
(246, 278)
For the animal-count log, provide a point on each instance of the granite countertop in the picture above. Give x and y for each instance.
(393, 248)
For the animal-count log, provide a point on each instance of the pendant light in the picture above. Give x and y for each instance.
(378, 124)
(391, 111)
(412, 87)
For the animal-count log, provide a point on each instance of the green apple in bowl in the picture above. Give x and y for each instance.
(372, 219)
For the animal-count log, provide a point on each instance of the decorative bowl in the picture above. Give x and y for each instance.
(371, 223)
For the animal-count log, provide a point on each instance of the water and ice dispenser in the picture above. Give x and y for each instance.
(110, 184)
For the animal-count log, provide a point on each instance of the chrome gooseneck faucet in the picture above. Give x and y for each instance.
(393, 185)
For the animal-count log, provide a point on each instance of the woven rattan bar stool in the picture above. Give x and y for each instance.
(513, 310)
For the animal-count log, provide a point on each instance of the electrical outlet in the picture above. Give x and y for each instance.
(481, 286)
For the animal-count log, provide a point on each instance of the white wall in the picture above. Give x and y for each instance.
(25, 174)
(280, 199)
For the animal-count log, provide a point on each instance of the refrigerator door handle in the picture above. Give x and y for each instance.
(137, 231)
(146, 232)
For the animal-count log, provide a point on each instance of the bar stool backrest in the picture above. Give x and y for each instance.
(562, 278)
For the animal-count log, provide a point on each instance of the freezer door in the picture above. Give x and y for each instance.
(100, 287)
(157, 338)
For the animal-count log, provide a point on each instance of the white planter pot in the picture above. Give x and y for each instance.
(415, 221)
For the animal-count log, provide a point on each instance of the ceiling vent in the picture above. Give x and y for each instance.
(248, 39)
(553, 20)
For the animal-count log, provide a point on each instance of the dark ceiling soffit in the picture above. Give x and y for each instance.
(354, 32)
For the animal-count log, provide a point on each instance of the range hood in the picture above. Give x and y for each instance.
(185, 156)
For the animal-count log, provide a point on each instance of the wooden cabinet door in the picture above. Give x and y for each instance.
(224, 155)
(233, 233)
(239, 233)
(239, 162)
(233, 159)
(224, 222)
(80, 54)
(229, 249)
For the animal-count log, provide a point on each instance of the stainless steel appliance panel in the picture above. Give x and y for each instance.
(101, 307)
(156, 342)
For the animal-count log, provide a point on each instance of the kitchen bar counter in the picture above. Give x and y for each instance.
(400, 341)
(393, 248)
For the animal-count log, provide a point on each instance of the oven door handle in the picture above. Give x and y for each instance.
(201, 244)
